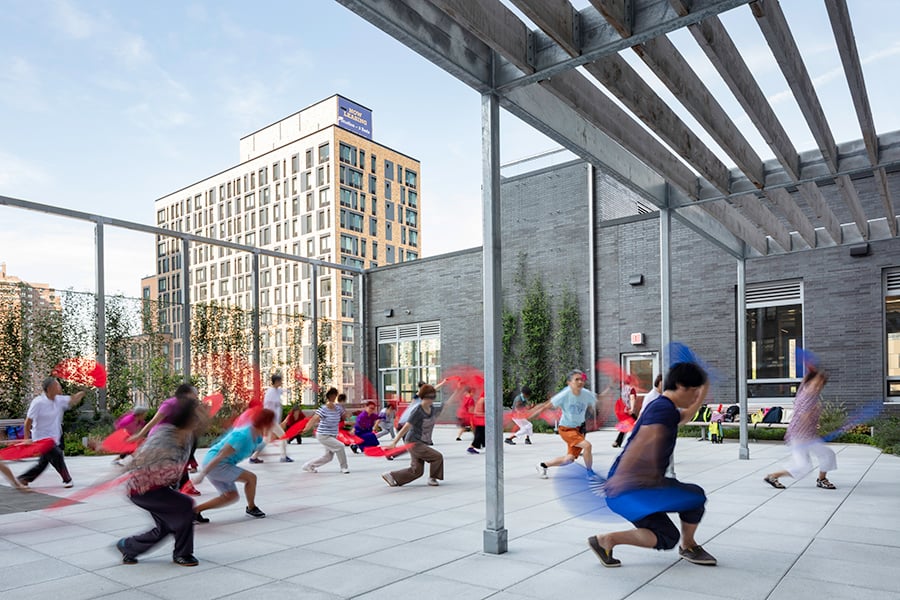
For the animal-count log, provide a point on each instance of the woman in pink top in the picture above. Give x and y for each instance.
(803, 435)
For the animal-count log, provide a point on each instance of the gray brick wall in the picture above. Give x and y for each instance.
(545, 225)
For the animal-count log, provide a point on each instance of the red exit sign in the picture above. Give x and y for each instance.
(637, 339)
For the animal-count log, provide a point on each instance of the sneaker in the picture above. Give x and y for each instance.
(459, 439)
(354, 448)
(542, 471)
(472, 450)
(256, 461)
(389, 457)
(190, 489)
(199, 518)
(188, 560)
(309, 469)
(510, 441)
(605, 556)
(68, 484)
(127, 559)
(345, 470)
(528, 441)
(287, 459)
(389, 479)
(255, 512)
(117, 463)
(433, 482)
(698, 556)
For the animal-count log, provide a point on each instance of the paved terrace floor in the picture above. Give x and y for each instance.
(329, 535)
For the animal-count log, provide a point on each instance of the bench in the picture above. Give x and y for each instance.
(704, 425)
(4, 423)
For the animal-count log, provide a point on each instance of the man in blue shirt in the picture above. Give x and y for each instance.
(638, 489)
(573, 400)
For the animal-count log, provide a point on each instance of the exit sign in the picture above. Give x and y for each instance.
(637, 339)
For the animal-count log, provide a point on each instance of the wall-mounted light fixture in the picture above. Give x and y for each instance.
(859, 250)
(636, 280)
(389, 313)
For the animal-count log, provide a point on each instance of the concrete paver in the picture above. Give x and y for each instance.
(334, 536)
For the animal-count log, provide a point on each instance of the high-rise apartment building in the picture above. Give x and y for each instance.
(315, 185)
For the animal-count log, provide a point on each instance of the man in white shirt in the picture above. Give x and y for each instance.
(44, 420)
(272, 401)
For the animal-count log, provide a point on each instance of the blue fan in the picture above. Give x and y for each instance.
(581, 492)
(863, 414)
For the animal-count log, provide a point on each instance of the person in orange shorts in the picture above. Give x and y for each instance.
(573, 400)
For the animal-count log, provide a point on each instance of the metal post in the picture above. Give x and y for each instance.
(314, 332)
(592, 283)
(185, 310)
(744, 451)
(101, 308)
(363, 364)
(495, 534)
(254, 326)
(665, 300)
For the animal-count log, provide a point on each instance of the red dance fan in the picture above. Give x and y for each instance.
(88, 492)
(626, 421)
(549, 416)
(295, 429)
(21, 450)
(379, 451)
(117, 443)
(467, 377)
(348, 438)
(214, 402)
(81, 371)
(246, 417)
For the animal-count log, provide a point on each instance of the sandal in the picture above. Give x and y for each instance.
(824, 483)
(773, 481)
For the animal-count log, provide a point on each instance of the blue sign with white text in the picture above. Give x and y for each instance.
(355, 118)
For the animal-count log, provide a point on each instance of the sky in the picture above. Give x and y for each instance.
(107, 105)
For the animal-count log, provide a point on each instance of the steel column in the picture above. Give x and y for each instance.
(101, 308)
(363, 365)
(665, 301)
(592, 282)
(254, 326)
(495, 534)
(314, 331)
(744, 451)
(185, 310)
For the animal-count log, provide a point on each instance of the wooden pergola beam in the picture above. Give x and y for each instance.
(618, 13)
(798, 220)
(753, 208)
(556, 18)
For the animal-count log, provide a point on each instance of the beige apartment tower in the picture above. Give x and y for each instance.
(315, 185)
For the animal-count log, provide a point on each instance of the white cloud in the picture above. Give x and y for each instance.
(74, 22)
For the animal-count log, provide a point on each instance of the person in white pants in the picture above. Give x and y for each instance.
(272, 401)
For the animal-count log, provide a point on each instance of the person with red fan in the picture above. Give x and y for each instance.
(132, 422)
(574, 400)
(629, 397)
(272, 401)
(44, 420)
(328, 418)
(464, 413)
(417, 431)
(156, 468)
(220, 465)
(364, 427)
(294, 416)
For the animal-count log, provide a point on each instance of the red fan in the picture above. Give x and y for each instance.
(22, 450)
(295, 429)
(549, 416)
(302, 379)
(348, 438)
(81, 371)
(88, 492)
(246, 417)
(611, 369)
(214, 402)
(626, 421)
(117, 443)
(466, 376)
(386, 452)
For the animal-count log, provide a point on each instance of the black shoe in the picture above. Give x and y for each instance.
(188, 560)
(198, 518)
(354, 448)
(256, 461)
(510, 441)
(255, 512)
(527, 441)
(698, 556)
(127, 559)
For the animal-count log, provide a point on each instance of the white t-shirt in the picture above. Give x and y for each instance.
(272, 401)
(649, 397)
(46, 416)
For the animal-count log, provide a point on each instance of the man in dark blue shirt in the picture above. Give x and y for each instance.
(638, 489)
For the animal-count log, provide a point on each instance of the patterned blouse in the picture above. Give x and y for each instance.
(807, 410)
(159, 461)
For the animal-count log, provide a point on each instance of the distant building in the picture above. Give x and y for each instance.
(314, 184)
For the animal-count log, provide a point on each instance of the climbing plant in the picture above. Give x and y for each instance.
(567, 337)
(536, 339)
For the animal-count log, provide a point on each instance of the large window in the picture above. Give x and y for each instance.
(408, 354)
(774, 334)
(892, 333)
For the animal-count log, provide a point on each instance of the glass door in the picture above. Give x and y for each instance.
(643, 367)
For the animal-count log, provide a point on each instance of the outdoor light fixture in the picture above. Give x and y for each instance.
(636, 280)
(389, 313)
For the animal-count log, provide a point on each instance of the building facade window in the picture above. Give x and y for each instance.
(774, 334)
(892, 333)
(408, 354)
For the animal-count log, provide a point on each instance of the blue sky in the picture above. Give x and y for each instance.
(107, 105)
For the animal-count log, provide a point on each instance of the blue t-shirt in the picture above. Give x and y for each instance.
(241, 439)
(661, 411)
(573, 407)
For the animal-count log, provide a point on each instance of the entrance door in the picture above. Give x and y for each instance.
(643, 367)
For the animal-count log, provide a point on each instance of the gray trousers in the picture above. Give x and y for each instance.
(332, 448)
